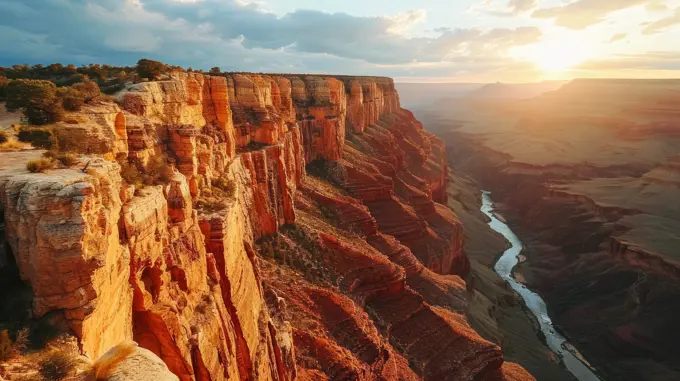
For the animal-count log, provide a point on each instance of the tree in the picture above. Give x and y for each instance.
(89, 89)
(70, 69)
(215, 70)
(72, 99)
(3, 87)
(151, 69)
(37, 99)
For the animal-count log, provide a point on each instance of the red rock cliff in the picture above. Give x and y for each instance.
(236, 263)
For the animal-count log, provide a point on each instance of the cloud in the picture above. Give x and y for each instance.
(663, 24)
(581, 14)
(616, 38)
(239, 35)
(646, 61)
(505, 9)
(518, 6)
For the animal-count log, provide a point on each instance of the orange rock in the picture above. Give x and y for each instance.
(183, 280)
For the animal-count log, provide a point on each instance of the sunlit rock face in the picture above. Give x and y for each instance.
(174, 259)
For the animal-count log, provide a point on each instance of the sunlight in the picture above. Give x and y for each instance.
(555, 56)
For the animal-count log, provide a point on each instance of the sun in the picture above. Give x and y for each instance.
(553, 59)
(556, 56)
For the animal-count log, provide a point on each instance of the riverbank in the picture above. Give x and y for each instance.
(505, 267)
(494, 309)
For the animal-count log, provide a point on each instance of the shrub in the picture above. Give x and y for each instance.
(332, 172)
(37, 99)
(7, 349)
(151, 69)
(3, 137)
(11, 145)
(157, 171)
(56, 365)
(89, 89)
(226, 185)
(3, 87)
(38, 137)
(21, 339)
(71, 99)
(67, 159)
(40, 165)
(212, 200)
(10, 348)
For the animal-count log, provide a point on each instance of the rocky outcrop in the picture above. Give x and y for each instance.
(193, 227)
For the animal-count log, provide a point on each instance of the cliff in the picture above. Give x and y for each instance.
(253, 227)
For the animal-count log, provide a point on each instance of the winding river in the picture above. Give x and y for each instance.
(533, 301)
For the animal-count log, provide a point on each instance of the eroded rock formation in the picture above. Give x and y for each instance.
(193, 227)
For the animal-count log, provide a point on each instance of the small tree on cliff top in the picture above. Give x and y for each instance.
(151, 69)
(215, 70)
(36, 99)
(72, 99)
(89, 89)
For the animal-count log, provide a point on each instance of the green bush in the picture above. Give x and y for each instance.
(3, 137)
(89, 89)
(56, 365)
(330, 171)
(38, 137)
(40, 165)
(3, 87)
(71, 99)
(151, 69)
(37, 100)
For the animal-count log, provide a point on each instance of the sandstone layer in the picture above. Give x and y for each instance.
(253, 227)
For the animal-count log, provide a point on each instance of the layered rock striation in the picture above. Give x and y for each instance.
(253, 227)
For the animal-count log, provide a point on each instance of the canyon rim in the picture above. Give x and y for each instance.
(245, 227)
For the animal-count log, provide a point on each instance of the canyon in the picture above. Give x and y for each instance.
(586, 175)
(251, 227)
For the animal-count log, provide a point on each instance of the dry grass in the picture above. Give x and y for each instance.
(40, 165)
(56, 365)
(11, 145)
(102, 368)
(213, 200)
(228, 186)
(67, 159)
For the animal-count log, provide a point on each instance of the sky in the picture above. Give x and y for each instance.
(410, 40)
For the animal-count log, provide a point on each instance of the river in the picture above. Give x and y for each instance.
(504, 266)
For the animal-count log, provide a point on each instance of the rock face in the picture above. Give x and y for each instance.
(193, 227)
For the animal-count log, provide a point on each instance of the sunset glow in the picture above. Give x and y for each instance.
(557, 56)
(428, 40)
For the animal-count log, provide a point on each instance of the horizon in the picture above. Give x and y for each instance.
(472, 41)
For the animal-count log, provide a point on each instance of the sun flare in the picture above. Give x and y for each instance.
(556, 56)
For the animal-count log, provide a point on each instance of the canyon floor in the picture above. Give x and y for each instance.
(587, 176)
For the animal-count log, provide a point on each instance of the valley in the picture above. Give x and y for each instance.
(586, 177)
